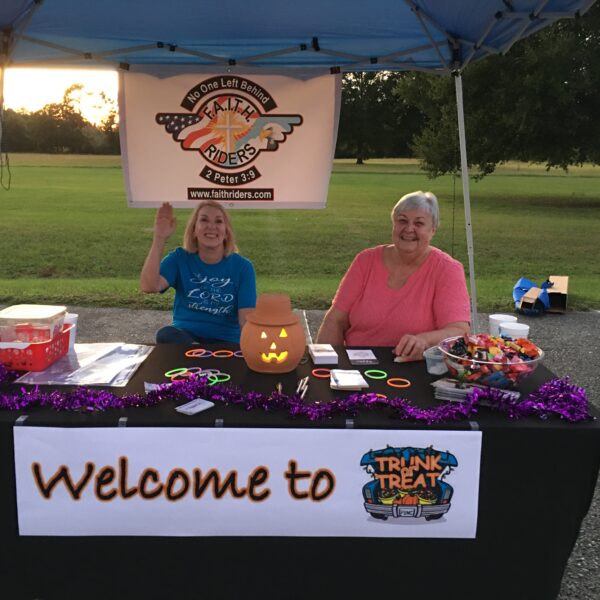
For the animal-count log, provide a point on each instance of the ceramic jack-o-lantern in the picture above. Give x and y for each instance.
(273, 339)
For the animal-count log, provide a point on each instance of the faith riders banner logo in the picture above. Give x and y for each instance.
(228, 125)
(407, 482)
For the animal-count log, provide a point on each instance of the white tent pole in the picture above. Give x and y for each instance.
(2, 70)
(464, 169)
(5, 38)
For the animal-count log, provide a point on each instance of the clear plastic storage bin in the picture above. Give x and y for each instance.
(35, 323)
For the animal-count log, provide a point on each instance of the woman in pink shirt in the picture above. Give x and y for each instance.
(408, 294)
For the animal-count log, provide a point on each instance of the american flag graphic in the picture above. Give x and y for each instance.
(220, 128)
(174, 122)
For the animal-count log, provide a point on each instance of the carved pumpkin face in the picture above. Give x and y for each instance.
(272, 339)
(273, 355)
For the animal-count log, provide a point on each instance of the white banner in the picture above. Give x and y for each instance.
(247, 140)
(254, 482)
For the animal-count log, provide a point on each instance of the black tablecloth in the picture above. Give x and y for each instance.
(537, 480)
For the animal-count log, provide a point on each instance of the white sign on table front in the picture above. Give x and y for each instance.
(246, 482)
(245, 139)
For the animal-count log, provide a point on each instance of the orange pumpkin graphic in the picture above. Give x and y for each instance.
(273, 339)
(409, 499)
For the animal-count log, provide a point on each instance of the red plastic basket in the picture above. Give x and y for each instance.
(35, 356)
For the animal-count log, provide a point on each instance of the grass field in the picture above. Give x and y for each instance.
(67, 236)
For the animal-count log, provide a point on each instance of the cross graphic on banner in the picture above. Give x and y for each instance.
(228, 128)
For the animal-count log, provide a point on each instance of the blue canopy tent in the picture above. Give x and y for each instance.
(436, 36)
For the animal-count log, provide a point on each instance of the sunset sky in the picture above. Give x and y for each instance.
(30, 89)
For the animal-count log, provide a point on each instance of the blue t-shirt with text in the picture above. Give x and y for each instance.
(208, 296)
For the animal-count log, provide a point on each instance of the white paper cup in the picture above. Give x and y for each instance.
(514, 330)
(71, 319)
(495, 320)
(435, 361)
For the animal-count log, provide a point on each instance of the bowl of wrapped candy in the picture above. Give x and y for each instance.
(488, 360)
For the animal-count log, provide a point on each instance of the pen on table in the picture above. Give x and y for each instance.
(304, 391)
(302, 384)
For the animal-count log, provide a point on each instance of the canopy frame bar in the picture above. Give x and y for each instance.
(418, 13)
(273, 54)
(357, 61)
(482, 46)
(464, 170)
(215, 60)
(526, 23)
(54, 46)
(434, 32)
(408, 66)
(73, 54)
(479, 43)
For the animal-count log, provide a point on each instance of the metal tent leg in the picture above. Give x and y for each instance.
(464, 168)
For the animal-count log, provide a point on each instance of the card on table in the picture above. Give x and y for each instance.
(361, 357)
(194, 406)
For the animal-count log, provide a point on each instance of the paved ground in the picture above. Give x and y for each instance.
(572, 348)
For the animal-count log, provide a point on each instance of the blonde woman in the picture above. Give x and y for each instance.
(215, 287)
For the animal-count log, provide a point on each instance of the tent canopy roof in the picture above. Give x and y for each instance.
(344, 35)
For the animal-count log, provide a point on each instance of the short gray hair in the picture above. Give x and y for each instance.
(419, 200)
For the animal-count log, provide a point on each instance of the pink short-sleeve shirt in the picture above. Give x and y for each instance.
(432, 297)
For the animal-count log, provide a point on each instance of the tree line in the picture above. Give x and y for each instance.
(59, 128)
(538, 103)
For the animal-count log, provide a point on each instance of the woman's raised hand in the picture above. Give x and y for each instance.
(164, 222)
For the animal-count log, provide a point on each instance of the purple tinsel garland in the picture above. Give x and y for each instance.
(556, 397)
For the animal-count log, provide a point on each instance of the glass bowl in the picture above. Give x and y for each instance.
(471, 359)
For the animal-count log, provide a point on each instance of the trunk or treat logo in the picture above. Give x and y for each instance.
(228, 125)
(407, 482)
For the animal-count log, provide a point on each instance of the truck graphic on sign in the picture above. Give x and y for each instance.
(407, 482)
